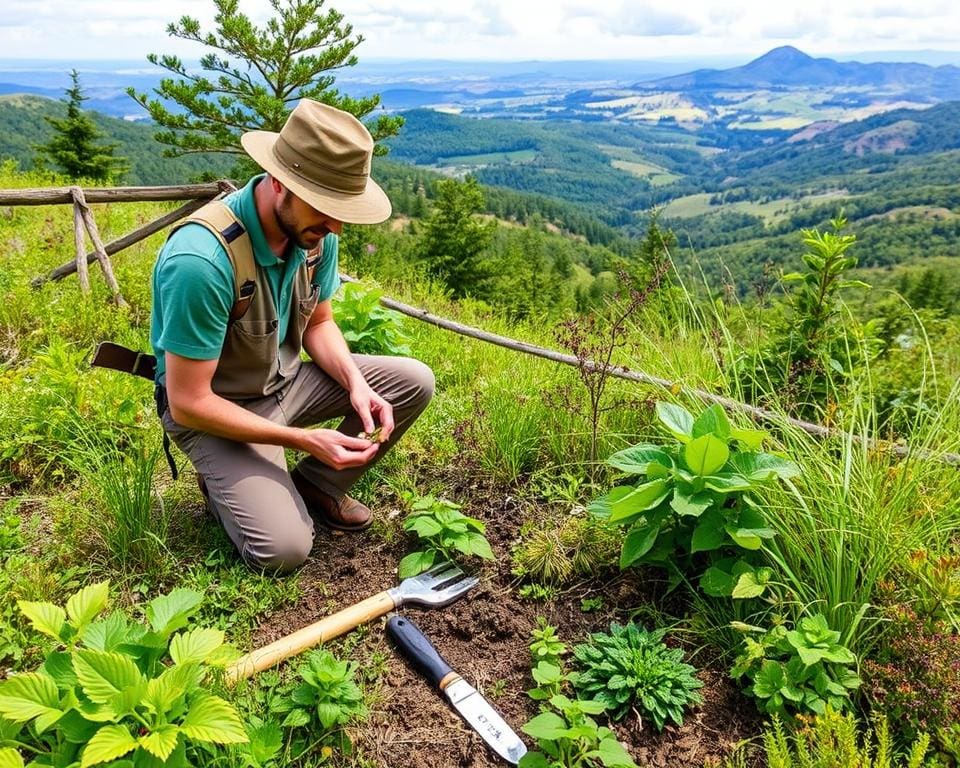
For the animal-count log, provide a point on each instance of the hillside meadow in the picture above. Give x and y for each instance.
(678, 584)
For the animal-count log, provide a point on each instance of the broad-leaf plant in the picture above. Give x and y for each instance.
(115, 691)
(693, 496)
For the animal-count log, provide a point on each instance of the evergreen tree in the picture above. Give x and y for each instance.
(255, 76)
(455, 238)
(74, 148)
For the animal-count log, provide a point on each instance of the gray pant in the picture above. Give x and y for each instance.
(249, 488)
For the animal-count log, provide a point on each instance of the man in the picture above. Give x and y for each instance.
(228, 330)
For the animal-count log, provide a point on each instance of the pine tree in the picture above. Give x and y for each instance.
(255, 76)
(74, 148)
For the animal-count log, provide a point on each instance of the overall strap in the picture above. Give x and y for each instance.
(223, 223)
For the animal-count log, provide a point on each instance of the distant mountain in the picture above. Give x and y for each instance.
(788, 67)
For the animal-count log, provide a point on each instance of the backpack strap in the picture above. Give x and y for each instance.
(223, 224)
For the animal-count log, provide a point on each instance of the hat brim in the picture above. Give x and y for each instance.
(371, 206)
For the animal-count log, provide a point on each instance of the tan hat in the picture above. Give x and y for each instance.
(323, 155)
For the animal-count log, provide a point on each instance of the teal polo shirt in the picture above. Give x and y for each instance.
(194, 286)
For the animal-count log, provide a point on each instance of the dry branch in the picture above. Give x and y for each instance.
(54, 195)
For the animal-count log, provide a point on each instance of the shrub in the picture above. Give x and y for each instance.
(631, 667)
(914, 676)
(556, 554)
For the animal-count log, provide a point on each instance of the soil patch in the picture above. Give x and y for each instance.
(485, 636)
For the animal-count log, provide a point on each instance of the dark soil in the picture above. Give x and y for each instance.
(485, 637)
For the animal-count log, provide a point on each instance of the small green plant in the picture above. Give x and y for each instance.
(568, 737)
(443, 529)
(695, 498)
(798, 671)
(832, 739)
(576, 546)
(538, 593)
(368, 327)
(546, 645)
(591, 604)
(631, 668)
(326, 700)
(117, 687)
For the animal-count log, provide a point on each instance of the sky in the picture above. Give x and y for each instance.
(506, 29)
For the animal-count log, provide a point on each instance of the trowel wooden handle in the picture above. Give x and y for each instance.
(325, 629)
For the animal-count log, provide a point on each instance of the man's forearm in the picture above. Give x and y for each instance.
(328, 349)
(223, 418)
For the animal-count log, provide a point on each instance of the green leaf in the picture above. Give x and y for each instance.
(10, 758)
(636, 459)
(709, 533)
(613, 755)
(24, 697)
(643, 497)
(638, 542)
(45, 617)
(717, 582)
(676, 419)
(212, 719)
(546, 725)
(750, 585)
(416, 562)
(534, 760)
(763, 467)
(109, 743)
(712, 421)
(88, 602)
(60, 667)
(693, 506)
(168, 613)
(106, 635)
(296, 718)
(102, 675)
(706, 454)
(746, 538)
(479, 546)
(196, 645)
(749, 439)
(424, 526)
(161, 742)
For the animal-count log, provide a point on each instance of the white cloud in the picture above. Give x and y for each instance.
(503, 29)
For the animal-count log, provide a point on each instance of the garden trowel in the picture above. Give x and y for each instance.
(473, 708)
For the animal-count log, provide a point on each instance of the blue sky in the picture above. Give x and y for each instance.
(508, 29)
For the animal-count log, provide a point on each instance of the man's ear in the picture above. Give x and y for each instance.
(275, 185)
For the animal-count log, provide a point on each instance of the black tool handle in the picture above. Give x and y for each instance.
(413, 644)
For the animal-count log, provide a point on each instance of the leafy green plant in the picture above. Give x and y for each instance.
(546, 645)
(368, 327)
(695, 497)
(443, 529)
(326, 699)
(632, 668)
(546, 652)
(832, 739)
(119, 688)
(569, 738)
(537, 592)
(796, 671)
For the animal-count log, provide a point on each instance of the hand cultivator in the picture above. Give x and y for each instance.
(438, 587)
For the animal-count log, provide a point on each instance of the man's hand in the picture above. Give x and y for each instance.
(368, 404)
(336, 449)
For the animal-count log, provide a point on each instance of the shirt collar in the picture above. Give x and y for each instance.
(247, 211)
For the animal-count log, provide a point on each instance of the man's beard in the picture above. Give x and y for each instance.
(304, 238)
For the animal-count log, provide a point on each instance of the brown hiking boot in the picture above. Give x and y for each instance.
(342, 514)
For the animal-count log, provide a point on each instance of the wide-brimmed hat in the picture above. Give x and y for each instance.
(323, 156)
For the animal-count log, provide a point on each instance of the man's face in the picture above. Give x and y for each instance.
(304, 225)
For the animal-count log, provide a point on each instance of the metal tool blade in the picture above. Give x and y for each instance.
(485, 720)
